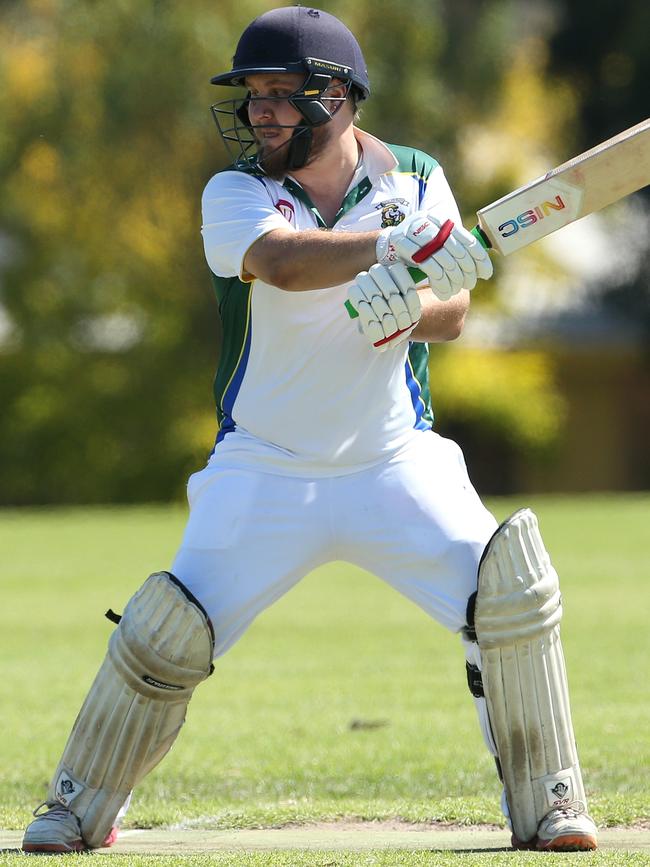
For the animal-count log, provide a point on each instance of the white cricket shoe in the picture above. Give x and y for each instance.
(57, 830)
(563, 829)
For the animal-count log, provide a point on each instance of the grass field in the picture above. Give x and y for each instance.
(343, 701)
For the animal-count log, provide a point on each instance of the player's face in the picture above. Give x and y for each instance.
(269, 110)
(273, 118)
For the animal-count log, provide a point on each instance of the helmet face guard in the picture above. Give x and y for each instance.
(239, 135)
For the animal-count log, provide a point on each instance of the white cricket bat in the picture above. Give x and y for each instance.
(587, 183)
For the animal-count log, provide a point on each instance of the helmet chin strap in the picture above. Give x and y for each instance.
(299, 147)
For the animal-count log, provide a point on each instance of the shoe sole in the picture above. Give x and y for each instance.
(75, 846)
(57, 848)
(110, 838)
(568, 843)
(564, 843)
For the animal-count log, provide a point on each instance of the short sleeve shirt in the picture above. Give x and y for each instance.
(299, 390)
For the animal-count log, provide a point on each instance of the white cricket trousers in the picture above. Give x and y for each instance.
(415, 521)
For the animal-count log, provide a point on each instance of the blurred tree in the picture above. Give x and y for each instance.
(109, 335)
(501, 405)
(111, 344)
(602, 48)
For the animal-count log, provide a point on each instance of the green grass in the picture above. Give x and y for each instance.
(335, 858)
(270, 737)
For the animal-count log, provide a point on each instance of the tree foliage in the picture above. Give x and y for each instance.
(109, 334)
(602, 48)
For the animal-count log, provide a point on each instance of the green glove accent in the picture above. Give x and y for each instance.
(481, 237)
(417, 275)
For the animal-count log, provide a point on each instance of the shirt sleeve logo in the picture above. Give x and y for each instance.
(392, 212)
(287, 210)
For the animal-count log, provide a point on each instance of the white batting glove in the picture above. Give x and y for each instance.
(388, 304)
(450, 256)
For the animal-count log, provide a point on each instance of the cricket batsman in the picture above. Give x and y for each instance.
(325, 448)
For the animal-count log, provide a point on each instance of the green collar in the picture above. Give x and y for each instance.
(352, 198)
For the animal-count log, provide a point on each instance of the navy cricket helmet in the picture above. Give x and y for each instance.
(298, 39)
(294, 39)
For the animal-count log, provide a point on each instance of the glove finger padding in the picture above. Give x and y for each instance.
(458, 266)
(478, 253)
(369, 324)
(399, 273)
(438, 279)
(467, 271)
(387, 303)
(452, 269)
(378, 301)
(394, 299)
(375, 316)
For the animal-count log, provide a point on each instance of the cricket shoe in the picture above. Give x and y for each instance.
(58, 831)
(563, 829)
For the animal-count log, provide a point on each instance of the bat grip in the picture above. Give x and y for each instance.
(481, 237)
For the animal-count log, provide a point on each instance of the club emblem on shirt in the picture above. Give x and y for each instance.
(287, 210)
(392, 213)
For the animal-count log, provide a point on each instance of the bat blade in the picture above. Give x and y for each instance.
(591, 181)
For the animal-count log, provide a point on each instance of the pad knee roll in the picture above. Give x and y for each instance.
(161, 650)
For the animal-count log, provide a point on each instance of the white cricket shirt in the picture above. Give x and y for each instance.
(299, 390)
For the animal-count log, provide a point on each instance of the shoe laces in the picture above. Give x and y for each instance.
(50, 807)
(575, 808)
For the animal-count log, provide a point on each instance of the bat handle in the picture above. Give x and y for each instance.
(481, 237)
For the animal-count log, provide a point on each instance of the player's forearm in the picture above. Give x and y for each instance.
(441, 320)
(313, 259)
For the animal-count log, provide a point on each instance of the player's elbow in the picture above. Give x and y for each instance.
(453, 320)
(288, 277)
(284, 275)
(439, 330)
(454, 328)
(269, 269)
(442, 332)
(441, 321)
(270, 259)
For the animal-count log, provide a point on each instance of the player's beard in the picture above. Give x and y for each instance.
(275, 160)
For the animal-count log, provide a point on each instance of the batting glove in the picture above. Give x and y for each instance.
(450, 256)
(387, 303)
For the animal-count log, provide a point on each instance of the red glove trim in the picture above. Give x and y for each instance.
(392, 336)
(434, 244)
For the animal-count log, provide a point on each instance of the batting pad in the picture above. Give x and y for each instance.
(136, 706)
(517, 616)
